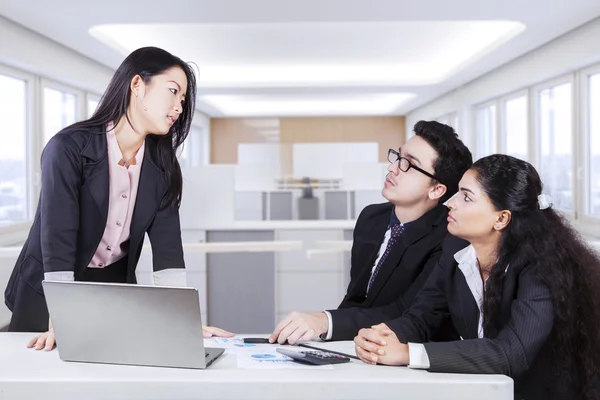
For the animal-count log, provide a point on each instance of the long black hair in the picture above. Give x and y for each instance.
(544, 240)
(148, 62)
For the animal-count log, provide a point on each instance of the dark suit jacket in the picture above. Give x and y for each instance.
(403, 273)
(73, 208)
(523, 347)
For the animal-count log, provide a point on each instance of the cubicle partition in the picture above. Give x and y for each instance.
(271, 269)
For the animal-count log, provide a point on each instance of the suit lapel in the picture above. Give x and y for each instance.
(415, 231)
(152, 188)
(389, 265)
(508, 291)
(469, 310)
(95, 173)
(376, 232)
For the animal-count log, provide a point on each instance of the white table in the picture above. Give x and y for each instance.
(29, 374)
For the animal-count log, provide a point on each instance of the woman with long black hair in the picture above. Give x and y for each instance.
(521, 287)
(106, 182)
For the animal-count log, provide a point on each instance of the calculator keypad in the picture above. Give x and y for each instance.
(324, 357)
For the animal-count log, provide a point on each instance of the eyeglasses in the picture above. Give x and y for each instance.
(404, 164)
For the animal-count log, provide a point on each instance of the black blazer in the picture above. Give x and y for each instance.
(71, 215)
(523, 348)
(403, 273)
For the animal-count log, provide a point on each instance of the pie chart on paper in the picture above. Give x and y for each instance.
(263, 356)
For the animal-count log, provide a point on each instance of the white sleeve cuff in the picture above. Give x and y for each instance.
(418, 356)
(175, 277)
(59, 276)
(329, 333)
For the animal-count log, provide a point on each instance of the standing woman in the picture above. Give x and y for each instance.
(106, 182)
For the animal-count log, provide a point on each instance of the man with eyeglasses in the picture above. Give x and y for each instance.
(396, 244)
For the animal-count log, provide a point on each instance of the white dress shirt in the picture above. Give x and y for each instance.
(386, 239)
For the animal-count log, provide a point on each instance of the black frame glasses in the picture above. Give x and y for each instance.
(404, 164)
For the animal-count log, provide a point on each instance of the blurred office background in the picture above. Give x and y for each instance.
(298, 103)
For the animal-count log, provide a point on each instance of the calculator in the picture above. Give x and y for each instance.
(315, 357)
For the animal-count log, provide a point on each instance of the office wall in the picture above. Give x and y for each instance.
(577, 49)
(227, 133)
(34, 53)
(38, 55)
(386, 131)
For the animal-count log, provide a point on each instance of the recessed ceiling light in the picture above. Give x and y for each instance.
(318, 54)
(253, 105)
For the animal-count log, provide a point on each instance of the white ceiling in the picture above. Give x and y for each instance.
(312, 57)
(318, 53)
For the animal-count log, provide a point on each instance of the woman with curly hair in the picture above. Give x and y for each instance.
(519, 284)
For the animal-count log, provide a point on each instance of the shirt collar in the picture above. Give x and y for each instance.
(394, 219)
(113, 147)
(116, 151)
(466, 255)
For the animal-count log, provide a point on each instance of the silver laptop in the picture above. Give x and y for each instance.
(128, 324)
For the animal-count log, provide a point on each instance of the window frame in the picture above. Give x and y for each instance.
(502, 142)
(90, 97)
(588, 222)
(536, 150)
(30, 149)
(477, 141)
(450, 118)
(80, 103)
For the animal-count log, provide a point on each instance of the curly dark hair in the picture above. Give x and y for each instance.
(563, 261)
(454, 158)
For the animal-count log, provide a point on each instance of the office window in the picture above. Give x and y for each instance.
(555, 132)
(450, 119)
(593, 184)
(486, 130)
(454, 123)
(92, 104)
(60, 110)
(13, 152)
(515, 125)
(444, 120)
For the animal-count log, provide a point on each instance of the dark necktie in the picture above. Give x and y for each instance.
(396, 231)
